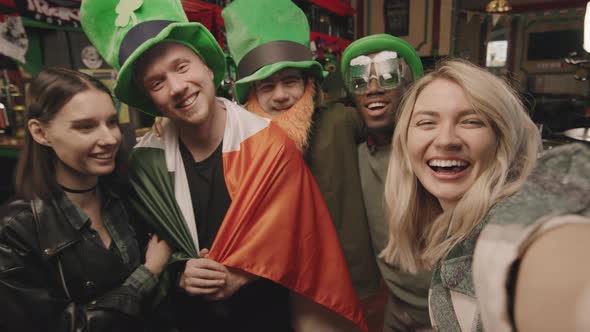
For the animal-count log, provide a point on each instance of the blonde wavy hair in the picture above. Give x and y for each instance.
(420, 232)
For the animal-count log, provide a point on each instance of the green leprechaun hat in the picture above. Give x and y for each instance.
(382, 42)
(122, 30)
(265, 36)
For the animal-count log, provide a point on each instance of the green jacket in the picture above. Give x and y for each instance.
(332, 159)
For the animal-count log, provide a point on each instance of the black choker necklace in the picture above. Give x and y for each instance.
(77, 191)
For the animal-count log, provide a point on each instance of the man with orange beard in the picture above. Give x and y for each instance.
(277, 79)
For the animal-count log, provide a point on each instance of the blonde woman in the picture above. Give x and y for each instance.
(463, 143)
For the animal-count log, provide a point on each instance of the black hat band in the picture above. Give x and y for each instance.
(138, 35)
(272, 52)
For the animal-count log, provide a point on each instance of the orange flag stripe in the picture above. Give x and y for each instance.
(278, 226)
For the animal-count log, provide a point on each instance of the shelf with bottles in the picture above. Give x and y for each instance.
(11, 103)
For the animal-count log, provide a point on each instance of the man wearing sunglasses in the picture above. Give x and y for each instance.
(377, 70)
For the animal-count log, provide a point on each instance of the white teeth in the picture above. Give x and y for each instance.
(446, 163)
(188, 101)
(104, 156)
(376, 104)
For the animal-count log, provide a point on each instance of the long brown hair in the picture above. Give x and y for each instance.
(48, 93)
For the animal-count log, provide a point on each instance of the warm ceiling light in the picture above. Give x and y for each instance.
(498, 6)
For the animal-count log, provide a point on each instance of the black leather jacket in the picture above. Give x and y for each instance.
(102, 281)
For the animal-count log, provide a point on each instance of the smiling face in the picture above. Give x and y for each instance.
(279, 92)
(178, 82)
(449, 144)
(85, 136)
(377, 105)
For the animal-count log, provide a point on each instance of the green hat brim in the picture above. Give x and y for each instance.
(242, 86)
(382, 42)
(191, 34)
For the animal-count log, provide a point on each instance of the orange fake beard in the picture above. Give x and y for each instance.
(296, 121)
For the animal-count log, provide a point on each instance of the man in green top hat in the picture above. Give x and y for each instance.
(377, 70)
(277, 78)
(227, 189)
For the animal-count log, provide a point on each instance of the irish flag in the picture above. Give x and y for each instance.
(277, 227)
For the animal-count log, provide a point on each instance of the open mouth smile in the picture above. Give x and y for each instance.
(448, 168)
(187, 102)
(105, 156)
(376, 107)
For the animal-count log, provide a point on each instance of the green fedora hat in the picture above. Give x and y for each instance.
(123, 30)
(265, 36)
(382, 42)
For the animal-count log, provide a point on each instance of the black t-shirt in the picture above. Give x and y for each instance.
(208, 193)
(259, 306)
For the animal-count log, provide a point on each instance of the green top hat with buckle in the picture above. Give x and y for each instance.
(265, 36)
(122, 30)
(382, 42)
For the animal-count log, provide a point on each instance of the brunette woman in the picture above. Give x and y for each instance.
(69, 259)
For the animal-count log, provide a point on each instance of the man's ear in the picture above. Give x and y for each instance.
(38, 132)
(210, 73)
